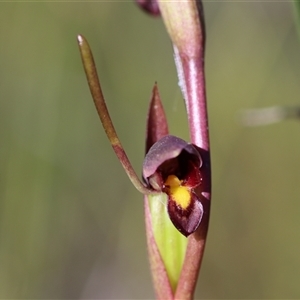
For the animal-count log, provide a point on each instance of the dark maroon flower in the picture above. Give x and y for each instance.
(173, 166)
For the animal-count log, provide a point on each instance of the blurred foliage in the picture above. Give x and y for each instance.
(71, 224)
(297, 13)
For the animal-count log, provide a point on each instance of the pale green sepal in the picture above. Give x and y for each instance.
(171, 243)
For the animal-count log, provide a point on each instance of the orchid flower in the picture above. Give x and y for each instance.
(176, 181)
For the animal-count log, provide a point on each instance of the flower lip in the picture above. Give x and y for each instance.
(186, 220)
(166, 149)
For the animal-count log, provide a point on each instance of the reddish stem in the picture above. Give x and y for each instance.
(190, 71)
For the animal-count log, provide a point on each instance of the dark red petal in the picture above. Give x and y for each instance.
(186, 220)
(193, 176)
(165, 149)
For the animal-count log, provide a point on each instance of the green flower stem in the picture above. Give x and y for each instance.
(96, 91)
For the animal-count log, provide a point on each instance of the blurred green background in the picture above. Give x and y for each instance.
(71, 224)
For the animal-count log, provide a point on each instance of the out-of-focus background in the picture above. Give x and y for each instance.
(71, 224)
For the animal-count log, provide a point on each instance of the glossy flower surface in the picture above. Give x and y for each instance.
(173, 166)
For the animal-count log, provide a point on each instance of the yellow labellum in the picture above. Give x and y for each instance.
(180, 194)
